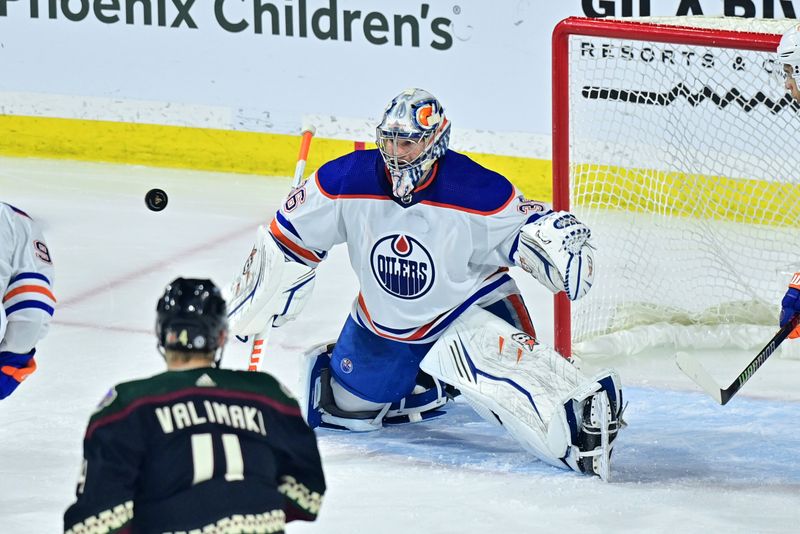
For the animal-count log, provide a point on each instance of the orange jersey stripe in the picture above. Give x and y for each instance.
(469, 210)
(276, 231)
(795, 283)
(416, 335)
(29, 289)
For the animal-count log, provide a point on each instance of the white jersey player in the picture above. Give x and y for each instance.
(431, 235)
(26, 279)
(789, 59)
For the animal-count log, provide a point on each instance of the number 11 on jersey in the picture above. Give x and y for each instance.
(203, 457)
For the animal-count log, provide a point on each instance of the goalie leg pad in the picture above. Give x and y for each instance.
(536, 394)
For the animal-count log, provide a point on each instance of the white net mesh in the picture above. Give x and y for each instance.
(685, 162)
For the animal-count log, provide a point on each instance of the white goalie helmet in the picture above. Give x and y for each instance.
(789, 50)
(412, 135)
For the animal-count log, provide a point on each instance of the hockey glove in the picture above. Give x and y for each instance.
(14, 368)
(790, 305)
(556, 251)
(268, 288)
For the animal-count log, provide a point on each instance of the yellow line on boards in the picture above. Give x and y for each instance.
(629, 189)
(209, 149)
(722, 198)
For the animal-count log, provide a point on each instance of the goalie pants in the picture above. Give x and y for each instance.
(382, 370)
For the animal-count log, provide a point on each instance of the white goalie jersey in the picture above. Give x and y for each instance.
(421, 264)
(26, 278)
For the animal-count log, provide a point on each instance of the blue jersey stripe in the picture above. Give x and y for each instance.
(444, 322)
(291, 255)
(466, 304)
(29, 276)
(283, 221)
(28, 304)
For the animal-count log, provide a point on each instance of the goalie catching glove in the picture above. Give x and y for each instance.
(556, 251)
(269, 290)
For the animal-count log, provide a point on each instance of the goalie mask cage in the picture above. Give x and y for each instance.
(675, 142)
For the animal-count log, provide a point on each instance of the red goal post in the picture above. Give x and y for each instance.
(675, 33)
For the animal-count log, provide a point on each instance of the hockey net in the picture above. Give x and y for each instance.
(675, 142)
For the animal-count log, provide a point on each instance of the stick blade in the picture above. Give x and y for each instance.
(694, 370)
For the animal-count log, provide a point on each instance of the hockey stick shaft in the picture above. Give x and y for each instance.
(302, 157)
(260, 339)
(694, 370)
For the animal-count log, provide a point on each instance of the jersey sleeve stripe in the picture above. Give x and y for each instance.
(29, 289)
(285, 223)
(289, 254)
(31, 276)
(28, 304)
(309, 255)
(307, 500)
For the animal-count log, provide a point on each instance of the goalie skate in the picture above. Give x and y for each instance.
(599, 428)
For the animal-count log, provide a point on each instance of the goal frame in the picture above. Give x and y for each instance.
(631, 30)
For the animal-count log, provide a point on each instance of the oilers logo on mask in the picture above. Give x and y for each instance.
(428, 115)
(402, 266)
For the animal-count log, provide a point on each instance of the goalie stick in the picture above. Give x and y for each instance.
(695, 370)
(260, 339)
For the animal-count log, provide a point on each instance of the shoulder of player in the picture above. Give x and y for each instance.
(352, 176)
(5, 206)
(261, 383)
(15, 217)
(476, 189)
(225, 384)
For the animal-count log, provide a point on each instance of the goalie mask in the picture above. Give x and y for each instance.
(412, 135)
(789, 49)
(191, 317)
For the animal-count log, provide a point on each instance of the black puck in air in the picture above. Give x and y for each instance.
(156, 199)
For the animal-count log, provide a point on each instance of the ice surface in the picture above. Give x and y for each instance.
(684, 464)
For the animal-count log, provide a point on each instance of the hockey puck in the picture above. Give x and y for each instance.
(156, 200)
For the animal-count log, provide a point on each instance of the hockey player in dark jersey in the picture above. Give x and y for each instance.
(196, 448)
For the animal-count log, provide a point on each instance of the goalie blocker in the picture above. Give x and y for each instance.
(269, 290)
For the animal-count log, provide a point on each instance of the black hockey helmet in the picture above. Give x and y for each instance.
(191, 316)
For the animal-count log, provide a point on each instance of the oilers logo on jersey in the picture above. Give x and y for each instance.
(402, 266)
